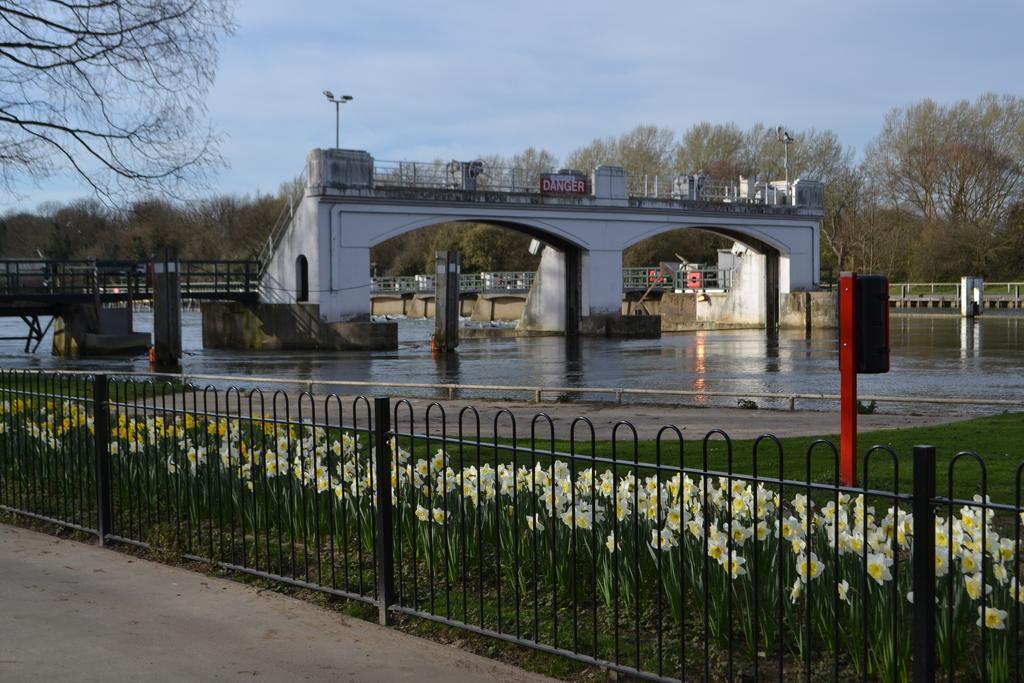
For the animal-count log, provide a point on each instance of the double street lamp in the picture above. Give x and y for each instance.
(338, 101)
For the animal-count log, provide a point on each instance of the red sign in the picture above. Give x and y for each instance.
(554, 183)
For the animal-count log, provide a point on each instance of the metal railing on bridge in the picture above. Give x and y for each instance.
(633, 280)
(501, 281)
(48, 281)
(485, 178)
(449, 176)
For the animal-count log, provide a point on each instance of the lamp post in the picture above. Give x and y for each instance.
(338, 101)
(786, 139)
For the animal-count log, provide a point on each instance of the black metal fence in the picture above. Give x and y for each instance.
(661, 558)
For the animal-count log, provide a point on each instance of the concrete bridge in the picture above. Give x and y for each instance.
(320, 256)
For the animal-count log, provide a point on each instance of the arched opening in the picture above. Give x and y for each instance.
(301, 279)
(705, 259)
(499, 253)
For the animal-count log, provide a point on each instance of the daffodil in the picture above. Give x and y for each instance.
(974, 586)
(878, 567)
(808, 567)
(992, 618)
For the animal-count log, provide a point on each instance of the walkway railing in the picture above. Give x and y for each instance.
(910, 289)
(479, 176)
(450, 176)
(499, 281)
(664, 559)
(46, 280)
(633, 279)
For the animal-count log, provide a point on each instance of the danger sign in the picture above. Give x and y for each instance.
(552, 183)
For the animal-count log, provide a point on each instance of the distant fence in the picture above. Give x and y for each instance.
(633, 280)
(946, 295)
(669, 559)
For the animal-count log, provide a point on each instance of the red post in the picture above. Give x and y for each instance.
(848, 378)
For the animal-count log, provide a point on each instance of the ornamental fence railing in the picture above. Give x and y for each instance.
(663, 557)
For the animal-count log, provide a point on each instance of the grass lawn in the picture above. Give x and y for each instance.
(28, 384)
(999, 440)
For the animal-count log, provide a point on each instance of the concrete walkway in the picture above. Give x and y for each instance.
(74, 611)
(648, 418)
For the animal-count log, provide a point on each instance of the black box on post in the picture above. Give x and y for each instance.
(872, 305)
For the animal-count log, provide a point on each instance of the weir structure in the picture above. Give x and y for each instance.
(318, 259)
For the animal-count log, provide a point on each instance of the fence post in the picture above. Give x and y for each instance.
(101, 429)
(385, 530)
(924, 565)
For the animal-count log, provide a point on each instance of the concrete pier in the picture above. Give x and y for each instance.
(81, 330)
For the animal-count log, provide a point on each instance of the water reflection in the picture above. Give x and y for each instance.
(573, 361)
(931, 356)
(771, 353)
(699, 366)
(970, 338)
(448, 368)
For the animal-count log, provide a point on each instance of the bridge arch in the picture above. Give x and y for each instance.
(769, 273)
(548, 233)
(757, 240)
(559, 282)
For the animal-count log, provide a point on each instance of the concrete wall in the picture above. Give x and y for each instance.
(494, 307)
(632, 326)
(803, 310)
(277, 327)
(391, 304)
(302, 238)
(420, 306)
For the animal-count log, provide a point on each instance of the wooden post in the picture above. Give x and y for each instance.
(446, 301)
(166, 313)
(848, 378)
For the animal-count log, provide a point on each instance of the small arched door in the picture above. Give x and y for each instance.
(301, 279)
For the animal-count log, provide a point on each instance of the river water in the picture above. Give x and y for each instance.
(932, 356)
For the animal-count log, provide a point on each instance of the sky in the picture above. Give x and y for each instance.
(457, 80)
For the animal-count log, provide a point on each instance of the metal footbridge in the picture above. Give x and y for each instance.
(34, 288)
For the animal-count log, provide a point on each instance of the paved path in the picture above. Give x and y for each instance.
(648, 418)
(74, 611)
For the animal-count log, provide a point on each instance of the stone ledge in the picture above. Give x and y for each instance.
(622, 326)
(283, 327)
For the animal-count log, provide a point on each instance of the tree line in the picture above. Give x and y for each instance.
(935, 195)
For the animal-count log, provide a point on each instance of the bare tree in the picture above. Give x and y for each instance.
(112, 90)
(961, 162)
(719, 150)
